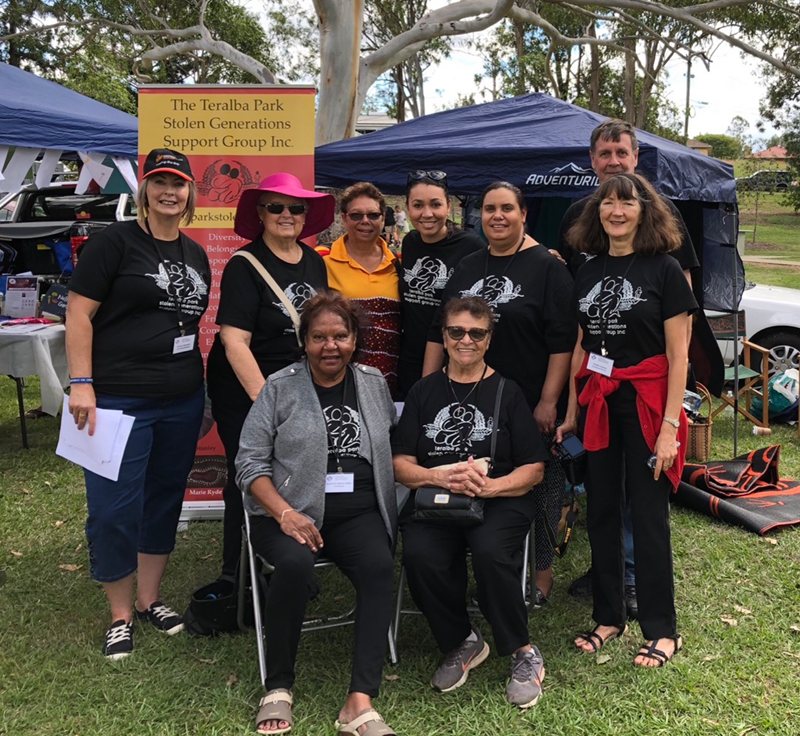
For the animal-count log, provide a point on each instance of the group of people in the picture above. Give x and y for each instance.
(497, 351)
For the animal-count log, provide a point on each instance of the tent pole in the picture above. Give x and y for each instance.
(735, 354)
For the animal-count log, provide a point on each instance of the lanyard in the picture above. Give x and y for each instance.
(603, 318)
(459, 411)
(332, 443)
(177, 297)
(505, 270)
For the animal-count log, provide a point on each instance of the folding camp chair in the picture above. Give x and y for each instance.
(255, 570)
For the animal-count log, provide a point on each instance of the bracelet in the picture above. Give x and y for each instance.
(674, 422)
(81, 380)
(283, 513)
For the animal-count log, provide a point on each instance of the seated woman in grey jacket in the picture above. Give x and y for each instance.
(315, 465)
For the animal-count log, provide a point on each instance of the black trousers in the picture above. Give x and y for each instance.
(620, 470)
(361, 549)
(435, 558)
(230, 419)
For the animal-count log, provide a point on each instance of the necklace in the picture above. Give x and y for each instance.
(459, 411)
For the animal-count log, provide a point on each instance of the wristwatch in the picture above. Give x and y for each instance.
(674, 422)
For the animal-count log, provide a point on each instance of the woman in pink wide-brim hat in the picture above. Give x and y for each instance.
(256, 331)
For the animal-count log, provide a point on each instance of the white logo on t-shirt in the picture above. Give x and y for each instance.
(609, 298)
(451, 424)
(427, 275)
(344, 425)
(297, 294)
(495, 289)
(179, 280)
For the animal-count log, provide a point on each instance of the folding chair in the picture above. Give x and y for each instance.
(527, 585)
(257, 568)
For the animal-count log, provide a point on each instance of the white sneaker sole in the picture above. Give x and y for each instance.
(118, 655)
(175, 630)
(478, 659)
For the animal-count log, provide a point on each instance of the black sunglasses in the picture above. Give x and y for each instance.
(476, 334)
(358, 216)
(276, 208)
(419, 174)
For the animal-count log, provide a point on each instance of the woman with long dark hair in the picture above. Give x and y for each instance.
(629, 368)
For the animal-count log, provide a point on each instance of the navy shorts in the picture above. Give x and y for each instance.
(139, 512)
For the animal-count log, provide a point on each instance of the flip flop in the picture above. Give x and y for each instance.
(658, 655)
(276, 705)
(596, 641)
(376, 726)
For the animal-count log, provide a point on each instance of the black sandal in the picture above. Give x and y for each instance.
(596, 641)
(650, 652)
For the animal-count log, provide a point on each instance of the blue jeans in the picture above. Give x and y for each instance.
(139, 512)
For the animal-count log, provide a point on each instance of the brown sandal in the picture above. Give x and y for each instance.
(375, 725)
(276, 705)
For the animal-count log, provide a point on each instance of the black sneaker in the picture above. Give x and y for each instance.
(162, 617)
(119, 640)
(581, 587)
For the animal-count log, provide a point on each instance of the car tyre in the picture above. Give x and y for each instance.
(784, 351)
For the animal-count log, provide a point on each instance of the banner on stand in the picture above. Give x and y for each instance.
(234, 136)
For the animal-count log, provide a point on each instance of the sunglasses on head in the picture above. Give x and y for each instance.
(277, 208)
(419, 174)
(476, 334)
(358, 216)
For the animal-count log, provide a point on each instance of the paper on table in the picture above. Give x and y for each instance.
(102, 452)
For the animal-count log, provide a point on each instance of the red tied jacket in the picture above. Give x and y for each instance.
(649, 378)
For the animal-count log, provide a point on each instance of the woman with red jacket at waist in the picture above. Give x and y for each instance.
(628, 375)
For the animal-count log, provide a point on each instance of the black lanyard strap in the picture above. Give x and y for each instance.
(332, 443)
(505, 270)
(177, 289)
(602, 314)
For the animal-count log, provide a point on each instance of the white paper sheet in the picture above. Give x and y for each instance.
(102, 452)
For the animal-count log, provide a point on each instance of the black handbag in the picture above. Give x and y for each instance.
(439, 506)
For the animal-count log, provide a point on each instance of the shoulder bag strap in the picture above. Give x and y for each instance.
(496, 417)
(267, 276)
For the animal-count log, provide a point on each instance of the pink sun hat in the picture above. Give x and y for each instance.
(320, 206)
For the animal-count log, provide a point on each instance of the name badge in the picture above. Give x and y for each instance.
(183, 344)
(339, 483)
(600, 364)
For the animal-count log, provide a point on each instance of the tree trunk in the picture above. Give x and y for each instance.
(519, 43)
(629, 86)
(594, 73)
(340, 24)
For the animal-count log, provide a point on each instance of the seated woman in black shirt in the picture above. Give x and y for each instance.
(629, 372)
(448, 417)
(315, 466)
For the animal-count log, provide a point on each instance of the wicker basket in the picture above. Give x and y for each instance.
(700, 432)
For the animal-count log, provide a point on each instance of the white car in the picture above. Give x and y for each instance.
(772, 320)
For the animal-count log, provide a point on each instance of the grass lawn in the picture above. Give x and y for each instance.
(777, 228)
(738, 599)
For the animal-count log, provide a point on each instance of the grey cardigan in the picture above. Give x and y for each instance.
(284, 437)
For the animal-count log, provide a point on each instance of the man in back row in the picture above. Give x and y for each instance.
(614, 149)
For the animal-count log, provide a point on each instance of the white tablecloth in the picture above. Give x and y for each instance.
(42, 353)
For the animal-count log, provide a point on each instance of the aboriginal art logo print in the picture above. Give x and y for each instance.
(609, 298)
(344, 426)
(457, 428)
(496, 290)
(181, 283)
(297, 294)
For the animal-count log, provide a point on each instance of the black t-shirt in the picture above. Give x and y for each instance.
(533, 299)
(135, 327)
(389, 218)
(437, 428)
(426, 270)
(248, 303)
(630, 305)
(685, 255)
(343, 421)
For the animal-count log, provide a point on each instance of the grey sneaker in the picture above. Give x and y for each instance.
(527, 673)
(453, 672)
